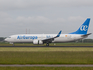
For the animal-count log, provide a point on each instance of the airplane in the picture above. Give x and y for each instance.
(51, 38)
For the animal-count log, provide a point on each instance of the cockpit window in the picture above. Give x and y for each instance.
(9, 37)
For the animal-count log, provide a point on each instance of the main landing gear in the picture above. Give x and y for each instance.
(13, 44)
(47, 44)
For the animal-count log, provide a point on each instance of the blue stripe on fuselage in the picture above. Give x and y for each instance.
(27, 37)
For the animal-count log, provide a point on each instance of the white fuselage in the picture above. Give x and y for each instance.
(49, 38)
(31, 37)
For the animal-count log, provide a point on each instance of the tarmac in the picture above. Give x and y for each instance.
(33, 65)
(46, 46)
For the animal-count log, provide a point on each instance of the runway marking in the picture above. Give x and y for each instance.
(46, 65)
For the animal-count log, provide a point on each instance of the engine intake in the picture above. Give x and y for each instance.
(37, 42)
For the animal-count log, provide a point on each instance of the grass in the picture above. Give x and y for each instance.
(42, 49)
(49, 57)
(46, 55)
(46, 68)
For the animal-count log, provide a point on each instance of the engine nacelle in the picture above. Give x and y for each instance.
(37, 42)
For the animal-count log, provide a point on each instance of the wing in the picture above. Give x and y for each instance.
(49, 40)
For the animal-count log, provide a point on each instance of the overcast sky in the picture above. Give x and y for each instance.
(44, 16)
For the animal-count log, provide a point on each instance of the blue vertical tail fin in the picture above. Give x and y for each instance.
(83, 28)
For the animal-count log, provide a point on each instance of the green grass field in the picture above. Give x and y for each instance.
(49, 57)
(46, 68)
(46, 55)
(43, 49)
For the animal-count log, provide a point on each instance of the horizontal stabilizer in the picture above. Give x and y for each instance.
(86, 35)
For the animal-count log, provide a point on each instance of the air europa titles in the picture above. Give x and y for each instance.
(27, 37)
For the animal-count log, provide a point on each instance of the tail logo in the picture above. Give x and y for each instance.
(84, 28)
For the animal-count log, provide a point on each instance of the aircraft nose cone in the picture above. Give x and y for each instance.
(5, 40)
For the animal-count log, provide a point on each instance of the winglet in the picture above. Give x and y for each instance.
(59, 33)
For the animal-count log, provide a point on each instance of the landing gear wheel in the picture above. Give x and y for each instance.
(13, 44)
(47, 44)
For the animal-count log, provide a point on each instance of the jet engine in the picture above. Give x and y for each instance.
(37, 42)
